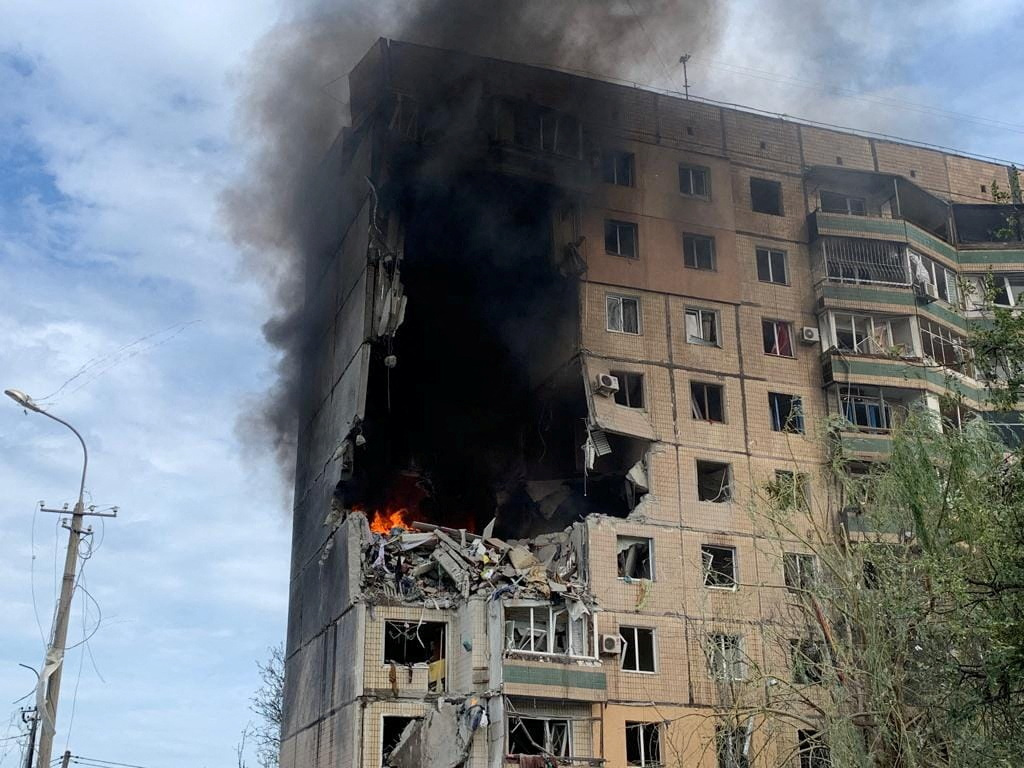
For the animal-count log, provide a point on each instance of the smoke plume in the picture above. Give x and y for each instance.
(293, 104)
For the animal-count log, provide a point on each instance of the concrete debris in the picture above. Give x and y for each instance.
(442, 739)
(443, 566)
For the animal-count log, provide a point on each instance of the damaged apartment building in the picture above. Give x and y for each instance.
(562, 330)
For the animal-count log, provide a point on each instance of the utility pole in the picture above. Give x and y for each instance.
(48, 691)
(66, 760)
(33, 716)
(686, 80)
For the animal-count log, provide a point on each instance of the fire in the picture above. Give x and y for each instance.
(382, 521)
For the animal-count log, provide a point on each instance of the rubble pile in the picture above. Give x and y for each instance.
(445, 566)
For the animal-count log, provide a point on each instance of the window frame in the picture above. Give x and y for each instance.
(806, 670)
(588, 633)
(775, 331)
(546, 747)
(713, 646)
(770, 252)
(709, 574)
(615, 156)
(619, 538)
(777, 185)
(716, 323)
(705, 385)
(654, 649)
(847, 200)
(423, 664)
(620, 298)
(624, 389)
(693, 239)
(704, 171)
(645, 760)
(726, 735)
(804, 566)
(794, 423)
(619, 225)
(798, 482)
(727, 487)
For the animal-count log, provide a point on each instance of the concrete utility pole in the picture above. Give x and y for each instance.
(66, 760)
(48, 691)
(686, 78)
(26, 715)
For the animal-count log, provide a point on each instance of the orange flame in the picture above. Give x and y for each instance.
(383, 521)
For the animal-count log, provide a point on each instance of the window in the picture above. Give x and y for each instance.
(413, 642)
(836, 202)
(631, 389)
(702, 326)
(725, 657)
(1008, 290)
(799, 571)
(866, 334)
(771, 266)
(731, 747)
(617, 168)
(694, 182)
(927, 270)
(778, 338)
(634, 557)
(706, 401)
(812, 748)
(539, 736)
(536, 128)
(786, 412)
(643, 744)
(637, 649)
(766, 196)
(713, 482)
(865, 407)
(790, 490)
(547, 629)
(719, 565)
(623, 313)
(699, 252)
(620, 238)
(391, 734)
(808, 659)
(945, 347)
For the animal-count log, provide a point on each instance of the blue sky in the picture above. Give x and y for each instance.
(119, 127)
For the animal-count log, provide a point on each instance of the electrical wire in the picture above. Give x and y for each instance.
(32, 573)
(95, 760)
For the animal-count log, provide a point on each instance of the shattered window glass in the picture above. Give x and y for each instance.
(412, 642)
(702, 326)
(538, 736)
(643, 744)
(548, 629)
(634, 557)
(786, 412)
(713, 481)
(391, 734)
(719, 565)
(731, 746)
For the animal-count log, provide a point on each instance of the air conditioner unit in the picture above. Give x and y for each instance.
(927, 292)
(809, 335)
(611, 645)
(607, 384)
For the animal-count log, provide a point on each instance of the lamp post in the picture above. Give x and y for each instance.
(53, 663)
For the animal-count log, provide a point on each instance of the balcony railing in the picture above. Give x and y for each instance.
(854, 260)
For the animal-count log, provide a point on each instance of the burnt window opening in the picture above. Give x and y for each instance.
(634, 557)
(618, 168)
(620, 238)
(725, 657)
(713, 481)
(811, 747)
(808, 659)
(540, 129)
(766, 196)
(787, 412)
(550, 737)
(699, 252)
(837, 202)
(719, 566)
(631, 389)
(391, 733)
(643, 744)
(706, 401)
(777, 337)
(771, 266)
(731, 747)
(412, 642)
(694, 181)
(799, 571)
(622, 314)
(637, 653)
(702, 327)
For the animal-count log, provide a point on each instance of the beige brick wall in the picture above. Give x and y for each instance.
(823, 147)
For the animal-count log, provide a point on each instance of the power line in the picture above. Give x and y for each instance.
(97, 761)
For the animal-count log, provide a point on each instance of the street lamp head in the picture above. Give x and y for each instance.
(22, 399)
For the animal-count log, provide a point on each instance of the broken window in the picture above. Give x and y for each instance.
(766, 196)
(719, 566)
(617, 168)
(631, 389)
(731, 747)
(539, 736)
(790, 490)
(391, 733)
(799, 571)
(706, 401)
(537, 128)
(808, 659)
(945, 347)
(548, 629)
(694, 181)
(928, 270)
(702, 326)
(786, 412)
(725, 657)
(699, 252)
(623, 314)
(637, 649)
(643, 744)
(836, 202)
(713, 482)
(771, 266)
(412, 642)
(777, 336)
(866, 407)
(812, 750)
(620, 238)
(1008, 290)
(634, 557)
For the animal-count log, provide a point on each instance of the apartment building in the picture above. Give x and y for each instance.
(565, 335)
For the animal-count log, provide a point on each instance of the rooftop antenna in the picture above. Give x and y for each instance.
(686, 80)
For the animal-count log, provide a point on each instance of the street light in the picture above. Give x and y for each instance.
(53, 661)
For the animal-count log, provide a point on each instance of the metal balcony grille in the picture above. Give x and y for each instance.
(852, 260)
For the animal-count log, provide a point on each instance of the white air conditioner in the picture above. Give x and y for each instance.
(607, 384)
(809, 335)
(927, 292)
(611, 645)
